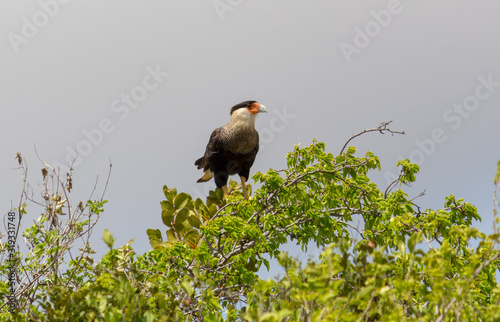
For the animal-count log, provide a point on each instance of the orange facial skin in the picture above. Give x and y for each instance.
(255, 108)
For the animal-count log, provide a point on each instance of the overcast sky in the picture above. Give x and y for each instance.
(143, 84)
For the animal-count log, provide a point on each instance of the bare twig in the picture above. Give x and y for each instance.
(55, 190)
(382, 128)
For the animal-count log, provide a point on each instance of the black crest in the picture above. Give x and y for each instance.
(241, 105)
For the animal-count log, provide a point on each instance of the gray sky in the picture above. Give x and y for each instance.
(145, 83)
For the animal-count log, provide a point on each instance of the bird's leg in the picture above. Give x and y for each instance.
(224, 188)
(244, 187)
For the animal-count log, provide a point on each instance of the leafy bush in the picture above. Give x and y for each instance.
(402, 263)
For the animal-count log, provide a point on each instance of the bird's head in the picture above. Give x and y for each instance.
(253, 107)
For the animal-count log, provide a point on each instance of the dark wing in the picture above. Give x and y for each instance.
(248, 160)
(213, 147)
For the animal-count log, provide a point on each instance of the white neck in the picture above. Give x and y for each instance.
(243, 119)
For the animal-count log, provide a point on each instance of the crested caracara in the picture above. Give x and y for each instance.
(232, 148)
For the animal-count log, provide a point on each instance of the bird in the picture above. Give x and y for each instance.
(232, 148)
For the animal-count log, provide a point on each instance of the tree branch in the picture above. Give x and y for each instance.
(382, 128)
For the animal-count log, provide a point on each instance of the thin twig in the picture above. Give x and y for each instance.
(381, 128)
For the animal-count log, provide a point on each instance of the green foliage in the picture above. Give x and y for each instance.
(496, 181)
(183, 217)
(108, 238)
(401, 263)
(379, 285)
(96, 207)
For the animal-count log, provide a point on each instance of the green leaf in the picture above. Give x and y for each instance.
(169, 193)
(275, 316)
(415, 239)
(497, 175)
(187, 288)
(154, 233)
(191, 238)
(155, 242)
(167, 218)
(181, 200)
(108, 238)
(167, 206)
(351, 150)
(96, 207)
(180, 228)
(219, 194)
(171, 237)
(182, 215)
(212, 210)
(199, 204)
(266, 263)
(194, 221)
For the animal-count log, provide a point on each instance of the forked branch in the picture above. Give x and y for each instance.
(382, 128)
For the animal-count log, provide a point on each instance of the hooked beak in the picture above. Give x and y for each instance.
(262, 109)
